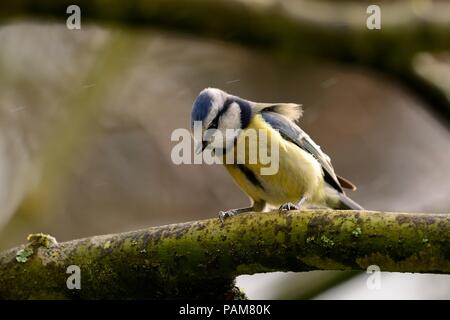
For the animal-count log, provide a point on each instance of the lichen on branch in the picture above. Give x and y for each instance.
(200, 259)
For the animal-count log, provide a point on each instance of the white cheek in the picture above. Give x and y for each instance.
(232, 118)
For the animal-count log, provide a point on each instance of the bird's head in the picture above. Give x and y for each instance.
(220, 117)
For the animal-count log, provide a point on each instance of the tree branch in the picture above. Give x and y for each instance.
(201, 259)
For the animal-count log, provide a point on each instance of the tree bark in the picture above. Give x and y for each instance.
(200, 259)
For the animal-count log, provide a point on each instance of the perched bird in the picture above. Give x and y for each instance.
(305, 175)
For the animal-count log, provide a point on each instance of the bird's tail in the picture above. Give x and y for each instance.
(345, 203)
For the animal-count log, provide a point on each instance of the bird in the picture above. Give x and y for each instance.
(305, 175)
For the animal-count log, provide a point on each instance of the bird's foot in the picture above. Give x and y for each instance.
(288, 207)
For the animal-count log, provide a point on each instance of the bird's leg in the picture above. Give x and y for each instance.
(257, 206)
(302, 201)
(290, 206)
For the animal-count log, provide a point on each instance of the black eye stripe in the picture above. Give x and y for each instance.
(215, 123)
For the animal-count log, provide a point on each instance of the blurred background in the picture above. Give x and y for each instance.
(86, 115)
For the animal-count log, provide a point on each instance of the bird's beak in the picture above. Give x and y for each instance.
(201, 146)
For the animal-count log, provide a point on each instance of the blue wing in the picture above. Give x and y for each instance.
(292, 132)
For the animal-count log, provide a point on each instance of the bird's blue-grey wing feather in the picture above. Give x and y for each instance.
(292, 132)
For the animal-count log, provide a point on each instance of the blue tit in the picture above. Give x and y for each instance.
(305, 176)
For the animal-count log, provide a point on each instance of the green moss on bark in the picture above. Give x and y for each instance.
(201, 259)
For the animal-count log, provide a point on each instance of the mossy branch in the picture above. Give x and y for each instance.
(201, 259)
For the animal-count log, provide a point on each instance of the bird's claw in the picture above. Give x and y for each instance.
(225, 214)
(288, 207)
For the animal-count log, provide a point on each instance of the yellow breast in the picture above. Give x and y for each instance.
(260, 150)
